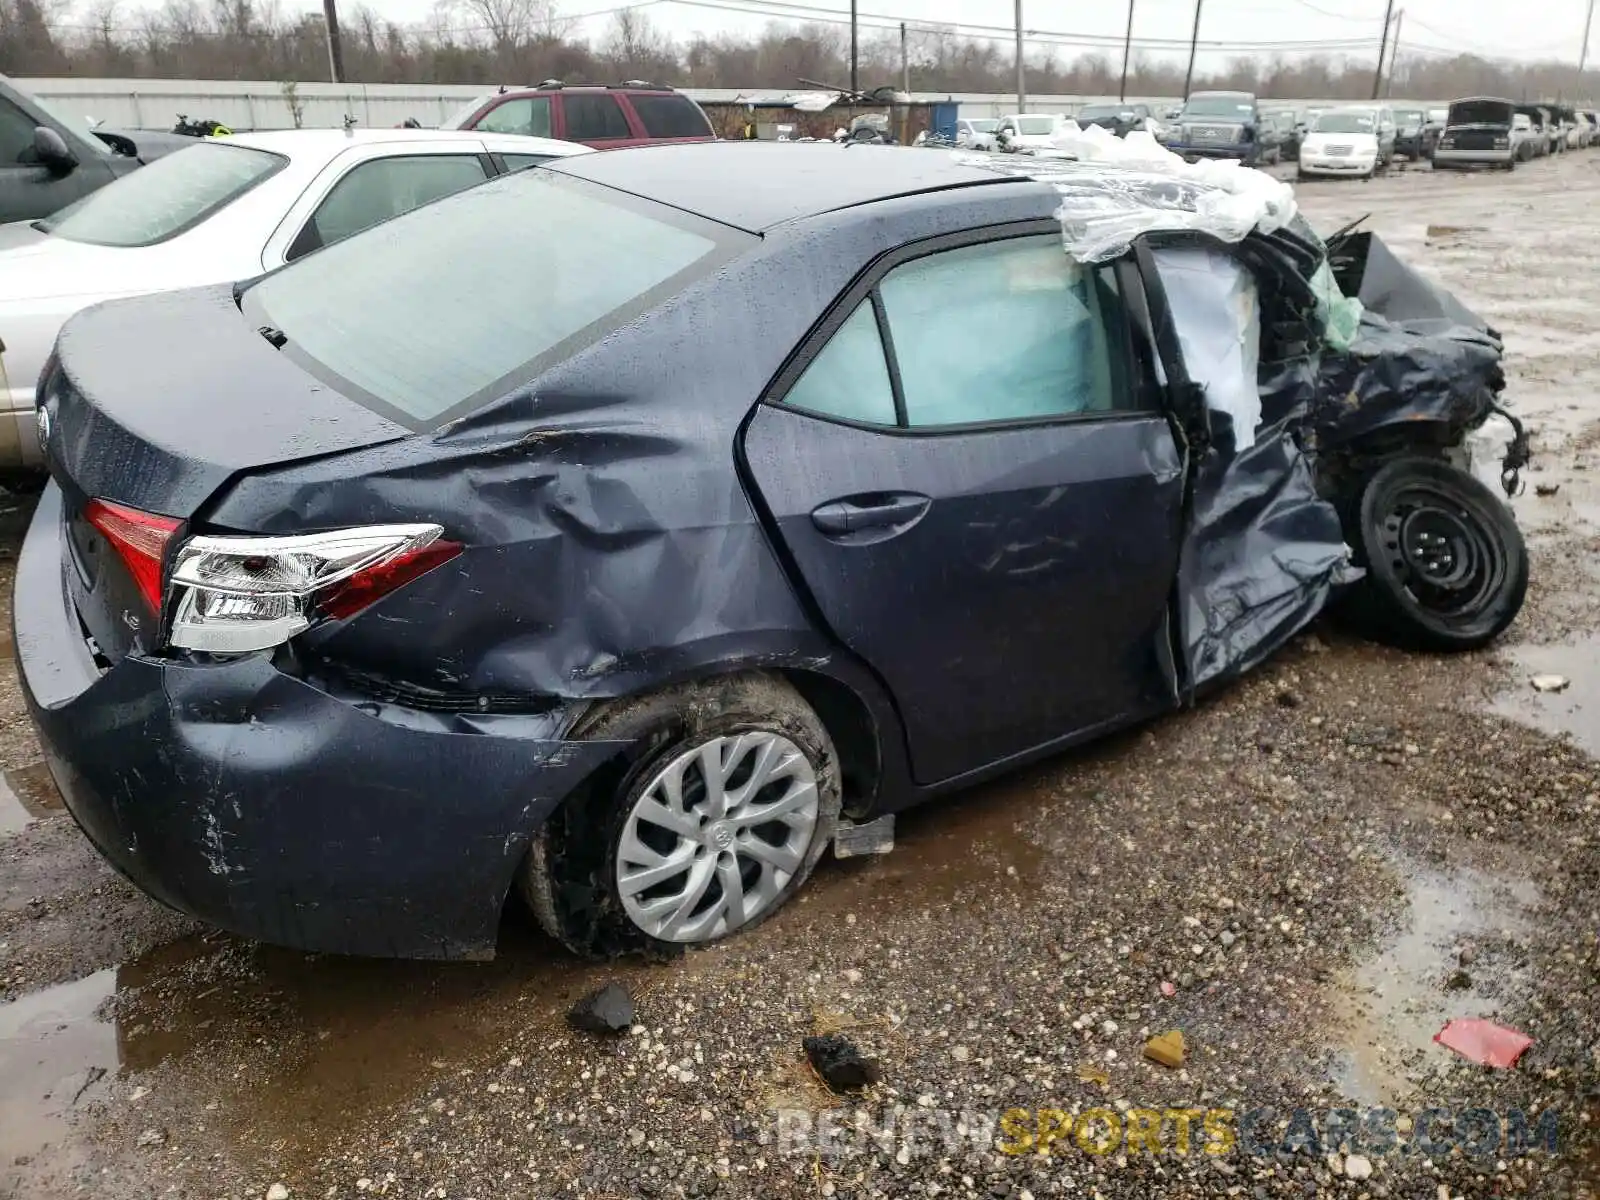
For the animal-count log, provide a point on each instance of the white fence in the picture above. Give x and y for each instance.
(156, 103)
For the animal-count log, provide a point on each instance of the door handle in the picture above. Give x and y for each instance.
(869, 512)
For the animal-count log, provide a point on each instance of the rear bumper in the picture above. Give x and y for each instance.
(262, 803)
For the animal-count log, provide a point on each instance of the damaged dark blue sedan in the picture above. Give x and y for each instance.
(626, 532)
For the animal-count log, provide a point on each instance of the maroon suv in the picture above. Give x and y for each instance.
(634, 114)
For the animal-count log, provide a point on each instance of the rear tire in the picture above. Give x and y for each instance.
(1447, 569)
(594, 874)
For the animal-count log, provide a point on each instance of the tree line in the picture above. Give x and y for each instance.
(525, 41)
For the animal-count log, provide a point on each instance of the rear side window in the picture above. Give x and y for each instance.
(383, 188)
(671, 117)
(850, 377)
(594, 118)
(1011, 330)
(527, 115)
(439, 310)
(1001, 331)
(162, 200)
(521, 162)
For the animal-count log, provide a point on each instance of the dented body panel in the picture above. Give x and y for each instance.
(643, 513)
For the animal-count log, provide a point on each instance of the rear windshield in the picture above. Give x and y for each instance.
(445, 308)
(1345, 122)
(671, 117)
(174, 193)
(1480, 112)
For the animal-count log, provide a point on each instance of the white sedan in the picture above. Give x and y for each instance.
(224, 209)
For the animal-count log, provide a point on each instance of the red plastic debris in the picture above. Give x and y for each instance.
(1484, 1042)
(1167, 988)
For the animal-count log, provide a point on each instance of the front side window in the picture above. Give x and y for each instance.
(381, 189)
(171, 195)
(594, 118)
(527, 115)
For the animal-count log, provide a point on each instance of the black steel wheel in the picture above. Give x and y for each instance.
(1446, 565)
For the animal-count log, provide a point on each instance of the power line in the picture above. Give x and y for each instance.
(794, 10)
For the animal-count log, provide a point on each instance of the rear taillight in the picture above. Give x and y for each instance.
(140, 540)
(232, 595)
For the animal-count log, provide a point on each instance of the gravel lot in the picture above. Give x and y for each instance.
(1307, 877)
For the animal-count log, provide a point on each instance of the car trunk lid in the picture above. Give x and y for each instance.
(135, 421)
(160, 427)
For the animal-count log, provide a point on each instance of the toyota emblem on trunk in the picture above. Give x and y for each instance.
(42, 416)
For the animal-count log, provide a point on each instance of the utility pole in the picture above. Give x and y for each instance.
(330, 16)
(1383, 49)
(905, 61)
(1022, 75)
(855, 51)
(1583, 55)
(1194, 44)
(1127, 49)
(1394, 52)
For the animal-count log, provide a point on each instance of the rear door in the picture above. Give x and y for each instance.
(980, 494)
(28, 189)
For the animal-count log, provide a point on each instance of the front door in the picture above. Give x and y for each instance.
(29, 189)
(980, 494)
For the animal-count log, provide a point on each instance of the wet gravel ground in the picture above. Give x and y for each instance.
(1306, 877)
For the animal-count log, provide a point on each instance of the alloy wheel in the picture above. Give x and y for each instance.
(716, 835)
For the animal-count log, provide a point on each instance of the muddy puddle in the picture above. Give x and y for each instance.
(26, 795)
(286, 1052)
(56, 1049)
(1450, 954)
(1573, 706)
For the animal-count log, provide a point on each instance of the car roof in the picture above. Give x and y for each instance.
(756, 185)
(326, 143)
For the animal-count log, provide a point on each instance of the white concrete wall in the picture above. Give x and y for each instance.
(156, 103)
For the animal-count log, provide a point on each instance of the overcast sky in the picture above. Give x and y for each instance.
(1526, 29)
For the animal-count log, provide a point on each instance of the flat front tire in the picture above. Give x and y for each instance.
(715, 815)
(1447, 569)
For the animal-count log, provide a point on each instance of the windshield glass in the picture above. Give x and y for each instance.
(984, 126)
(1097, 112)
(1345, 122)
(162, 200)
(459, 118)
(439, 310)
(1408, 118)
(1034, 126)
(1218, 106)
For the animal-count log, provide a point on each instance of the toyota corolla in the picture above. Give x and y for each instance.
(627, 532)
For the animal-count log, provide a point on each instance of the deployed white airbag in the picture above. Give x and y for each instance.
(1217, 314)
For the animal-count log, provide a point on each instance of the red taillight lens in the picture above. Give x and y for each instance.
(348, 598)
(140, 540)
